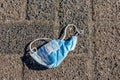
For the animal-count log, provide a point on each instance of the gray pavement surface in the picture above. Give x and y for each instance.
(96, 56)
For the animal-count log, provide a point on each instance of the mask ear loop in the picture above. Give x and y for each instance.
(77, 31)
(34, 49)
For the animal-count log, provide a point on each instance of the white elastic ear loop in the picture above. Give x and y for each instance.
(78, 32)
(30, 46)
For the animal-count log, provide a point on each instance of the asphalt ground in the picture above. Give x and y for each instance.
(97, 53)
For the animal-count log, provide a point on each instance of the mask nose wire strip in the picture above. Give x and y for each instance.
(30, 46)
(78, 32)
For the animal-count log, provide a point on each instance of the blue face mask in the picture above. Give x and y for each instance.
(54, 52)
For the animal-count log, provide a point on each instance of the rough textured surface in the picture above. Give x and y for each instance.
(97, 54)
(107, 41)
(37, 9)
(11, 67)
(12, 9)
(15, 37)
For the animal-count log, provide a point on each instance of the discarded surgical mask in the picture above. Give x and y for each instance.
(53, 53)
